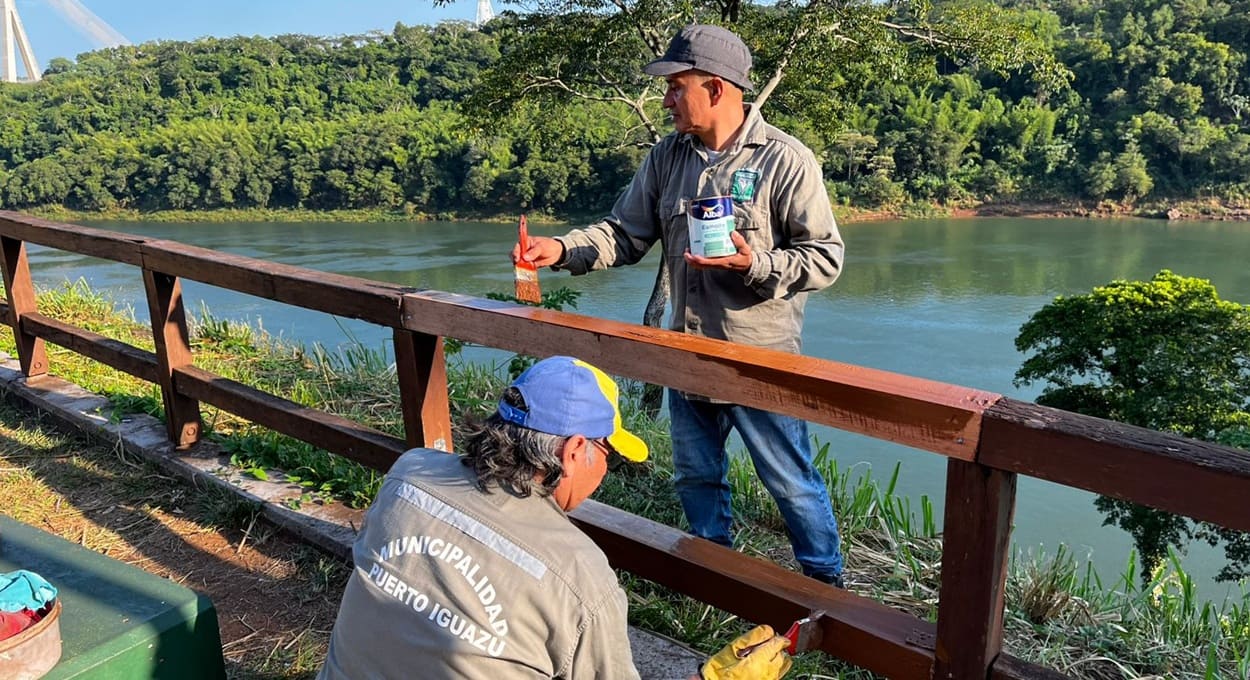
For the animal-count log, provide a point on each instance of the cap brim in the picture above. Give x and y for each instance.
(628, 445)
(662, 68)
(659, 67)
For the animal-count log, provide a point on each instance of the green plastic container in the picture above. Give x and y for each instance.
(116, 621)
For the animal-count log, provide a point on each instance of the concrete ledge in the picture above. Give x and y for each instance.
(329, 526)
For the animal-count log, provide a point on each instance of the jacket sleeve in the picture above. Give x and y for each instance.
(809, 255)
(626, 235)
(602, 650)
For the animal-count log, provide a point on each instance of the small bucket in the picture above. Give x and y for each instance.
(711, 223)
(33, 652)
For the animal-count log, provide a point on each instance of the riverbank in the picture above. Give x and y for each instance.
(1212, 209)
(1208, 209)
(1167, 210)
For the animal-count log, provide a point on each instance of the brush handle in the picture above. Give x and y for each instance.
(792, 635)
(523, 235)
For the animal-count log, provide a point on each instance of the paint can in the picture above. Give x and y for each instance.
(711, 223)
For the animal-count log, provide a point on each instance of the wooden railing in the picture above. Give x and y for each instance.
(987, 439)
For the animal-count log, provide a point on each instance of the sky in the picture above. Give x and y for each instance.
(52, 35)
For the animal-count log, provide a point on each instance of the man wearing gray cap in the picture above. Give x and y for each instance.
(724, 162)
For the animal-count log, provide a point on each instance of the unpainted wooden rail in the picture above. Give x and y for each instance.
(987, 439)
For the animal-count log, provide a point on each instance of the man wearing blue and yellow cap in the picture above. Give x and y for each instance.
(467, 566)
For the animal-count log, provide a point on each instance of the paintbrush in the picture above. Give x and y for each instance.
(803, 635)
(527, 289)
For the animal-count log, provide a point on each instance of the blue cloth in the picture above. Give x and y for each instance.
(23, 589)
(782, 455)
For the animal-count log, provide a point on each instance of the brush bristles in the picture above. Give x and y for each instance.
(527, 289)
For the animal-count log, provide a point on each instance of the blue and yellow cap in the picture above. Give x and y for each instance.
(566, 396)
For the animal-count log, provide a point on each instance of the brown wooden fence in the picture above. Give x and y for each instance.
(987, 439)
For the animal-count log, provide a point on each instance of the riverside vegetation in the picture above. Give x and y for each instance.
(1060, 613)
(951, 103)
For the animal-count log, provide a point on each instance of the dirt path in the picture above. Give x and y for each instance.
(275, 597)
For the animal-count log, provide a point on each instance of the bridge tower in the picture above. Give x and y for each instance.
(13, 43)
(484, 12)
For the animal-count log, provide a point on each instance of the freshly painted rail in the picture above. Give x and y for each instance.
(987, 439)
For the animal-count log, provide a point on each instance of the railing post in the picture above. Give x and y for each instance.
(980, 501)
(422, 371)
(21, 293)
(173, 351)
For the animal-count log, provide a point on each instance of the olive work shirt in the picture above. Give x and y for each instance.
(451, 582)
(780, 208)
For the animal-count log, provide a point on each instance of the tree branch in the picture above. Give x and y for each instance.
(924, 35)
(638, 106)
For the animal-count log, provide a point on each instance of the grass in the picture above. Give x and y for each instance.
(1060, 613)
(1065, 616)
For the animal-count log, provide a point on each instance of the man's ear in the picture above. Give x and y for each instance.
(571, 458)
(573, 451)
(715, 89)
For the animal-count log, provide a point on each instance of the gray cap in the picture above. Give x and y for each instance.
(707, 48)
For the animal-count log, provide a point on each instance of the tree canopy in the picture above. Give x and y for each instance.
(545, 108)
(1167, 354)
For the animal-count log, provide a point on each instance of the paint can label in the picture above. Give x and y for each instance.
(711, 222)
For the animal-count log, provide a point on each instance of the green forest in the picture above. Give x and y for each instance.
(1117, 101)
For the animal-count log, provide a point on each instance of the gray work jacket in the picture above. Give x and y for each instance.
(780, 207)
(452, 583)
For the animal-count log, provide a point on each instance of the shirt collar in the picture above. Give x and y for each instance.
(752, 134)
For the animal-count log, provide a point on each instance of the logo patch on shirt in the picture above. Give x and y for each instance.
(743, 189)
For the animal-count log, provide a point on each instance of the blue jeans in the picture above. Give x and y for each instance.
(782, 455)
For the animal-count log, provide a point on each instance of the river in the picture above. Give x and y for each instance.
(939, 299)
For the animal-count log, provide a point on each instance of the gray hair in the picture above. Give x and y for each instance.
(517, 459)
